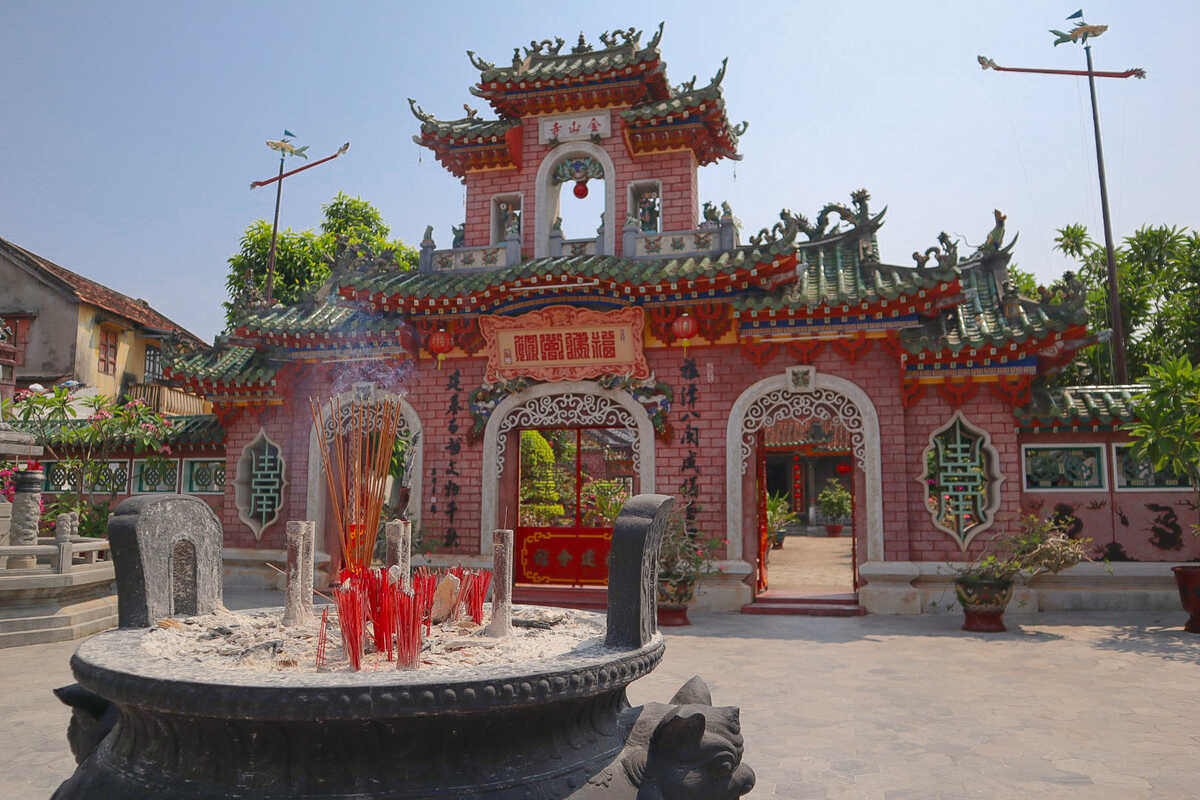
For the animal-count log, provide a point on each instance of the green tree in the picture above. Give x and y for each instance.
(1158, 275)
(1167, 431)
(303, 259)
(83, 447)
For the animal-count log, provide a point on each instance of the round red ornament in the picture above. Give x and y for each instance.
(581, 189)
(439, 344)
(843, 469)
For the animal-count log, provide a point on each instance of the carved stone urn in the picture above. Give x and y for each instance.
(558, 727)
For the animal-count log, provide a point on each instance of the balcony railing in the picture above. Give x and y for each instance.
(169, 401)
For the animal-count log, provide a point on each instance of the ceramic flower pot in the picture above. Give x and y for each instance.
(833, 530)
(983, 603)
(1188, 580)
(673, 597)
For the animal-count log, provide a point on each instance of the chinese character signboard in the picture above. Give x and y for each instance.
(574, 128)
(562, 343)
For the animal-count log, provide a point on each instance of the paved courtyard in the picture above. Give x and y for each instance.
(1084, 705)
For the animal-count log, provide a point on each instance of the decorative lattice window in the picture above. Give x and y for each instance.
(155, 475)
(260, 483)
(1076, 468)
(1133, 474)
(153, 363)
(204, 477)
(961, 480)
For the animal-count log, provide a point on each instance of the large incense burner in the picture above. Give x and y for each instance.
(554, 727)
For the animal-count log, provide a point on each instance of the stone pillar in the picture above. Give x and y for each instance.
(629, 237)
(512, 247)
(26, 513)
(66, 527)
(726, 233)
(502, 577)
(556, 237)
(5, 522)
(308, 545)
(398, 534)
(425, 259)
(294, 612)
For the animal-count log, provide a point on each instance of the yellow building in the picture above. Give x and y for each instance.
(67, 327)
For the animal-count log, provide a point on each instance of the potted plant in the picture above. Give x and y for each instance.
(779, 517)
(683, 557)
(835, 502)
(1167, 434)
(984, 586)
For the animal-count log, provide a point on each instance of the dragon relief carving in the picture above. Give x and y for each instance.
(551, 47)
(858, 216)
(946, 255)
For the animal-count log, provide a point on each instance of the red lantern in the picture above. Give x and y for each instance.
(684, 327)
(439, 344)
(843, 469)
(581, 189)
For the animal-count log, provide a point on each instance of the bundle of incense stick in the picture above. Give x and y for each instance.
(473, 588)
(381, 609)
(350, 598)
(356, 460)
(424, 584)
(408, 627)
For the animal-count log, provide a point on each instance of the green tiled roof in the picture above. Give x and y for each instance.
(328, 317)
(1080, 404)
(554, 269)
(466, 128)
(541, 66)
(677, 102)
(979, 321)
(234, 365)
(831, 273)
(194, 430)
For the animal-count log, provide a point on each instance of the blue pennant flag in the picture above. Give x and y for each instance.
(286, 132)
(1077, 15)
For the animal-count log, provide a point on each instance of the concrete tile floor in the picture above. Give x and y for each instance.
(1083, 705)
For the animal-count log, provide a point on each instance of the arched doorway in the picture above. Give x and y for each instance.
(317, 491)
(801, 393)
(578, 419)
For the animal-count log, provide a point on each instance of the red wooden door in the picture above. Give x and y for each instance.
(572, 483)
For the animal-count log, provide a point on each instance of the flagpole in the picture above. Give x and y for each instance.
(1120, 370)
(1081, 32)
(285, 148)
(274, 233)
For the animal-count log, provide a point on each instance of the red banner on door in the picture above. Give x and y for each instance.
(561, 343)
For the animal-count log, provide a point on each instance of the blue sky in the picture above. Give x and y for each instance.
(131, 131)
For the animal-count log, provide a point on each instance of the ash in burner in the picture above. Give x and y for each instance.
(257, 641)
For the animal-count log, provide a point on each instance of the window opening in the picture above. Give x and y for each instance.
(18, 336)
(153, 370)
(586, 204)
(108, 351)
(506, 217)
(646, 205)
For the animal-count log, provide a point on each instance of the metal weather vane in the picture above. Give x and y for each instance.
(285, 148)
(1079, 34)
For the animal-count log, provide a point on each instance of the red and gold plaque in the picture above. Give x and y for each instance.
(561, 343)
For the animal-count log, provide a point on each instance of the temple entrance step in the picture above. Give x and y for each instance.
(822, 605)
(587, 598)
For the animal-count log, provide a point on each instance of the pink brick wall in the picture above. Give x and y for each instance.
(1123, 517)
(724, 373)
(676, 170)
